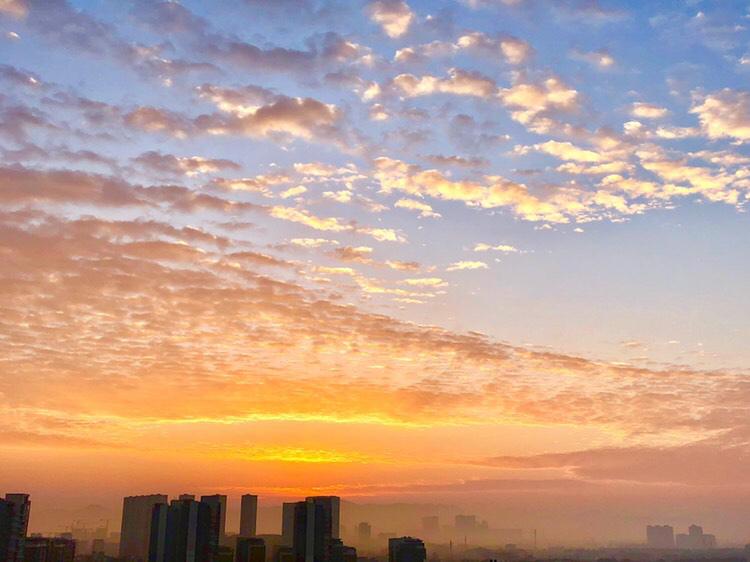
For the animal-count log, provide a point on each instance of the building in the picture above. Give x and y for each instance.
(14, 523)
(315, 526)
(248, 515)
(466, 524)
(43, 549)
(136, 526)
(364, 532)
(273, 544)
(218, 505)
(182, 531)
(342, 553)
(695, 539)
(406, 549)
(287, 523)
(250, 549)
(660, 536)
(186, 497)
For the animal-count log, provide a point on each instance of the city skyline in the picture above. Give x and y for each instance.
(158, 530)
(488, 255)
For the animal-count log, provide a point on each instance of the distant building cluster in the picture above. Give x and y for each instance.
(186, 529)
(662, 536)
(16, 546)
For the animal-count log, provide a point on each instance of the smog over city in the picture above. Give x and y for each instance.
(369, 280)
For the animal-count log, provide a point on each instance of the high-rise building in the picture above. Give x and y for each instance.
(43, 549)
(218, 505)
(14, 523)
(287, 523)
(250, 549)
(342, 553)
(364, 532)
(660, 536)
(466, 524)
(406, 549)
(315, 526)
(695, 539)
(135, 532)
(186, 497)
(182, 531)
(249, 515)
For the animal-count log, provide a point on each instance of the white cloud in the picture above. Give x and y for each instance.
(394, 16)
(412, 204)
(466, 265)
(645, 110)
(293, 192)
(505, 248)
(724, 114)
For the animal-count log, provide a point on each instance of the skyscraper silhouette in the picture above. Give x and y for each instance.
(249, 515)
(660, 536)
(287, 523)
(250, 549)
(136, 526)
(316, 525)
(406, 549)
(218, 505)
(14, 523)
(183, 531)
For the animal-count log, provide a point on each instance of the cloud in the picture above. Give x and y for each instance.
(600, 59)
(513, 50)
(403, 266)
(724, 114)
(440, 160)
(425, 282)
(303, 216)
(360, 254)
(293, 192)
(648, 110)
(459, 82)
(705, 463)
(534, 100)
(497, 192)
(304, 118)
(312, 242)
(568, 151)
(298, 117)
(320, 169)
(109, 283)
(19, 185)
(394, 16)
(424, 209)
(343, 196)
(383, 234)
(13, 7)
(466, 265)
(177, 166)
(505, 248)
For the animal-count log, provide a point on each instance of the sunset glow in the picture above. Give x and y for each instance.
(486, 253)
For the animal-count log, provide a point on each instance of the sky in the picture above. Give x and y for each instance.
(490, 254)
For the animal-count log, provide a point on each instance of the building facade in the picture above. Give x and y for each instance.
(135, 531)
(406, 549)
(14, 523)
(248, 515)
(183, 531)
(660, 536)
